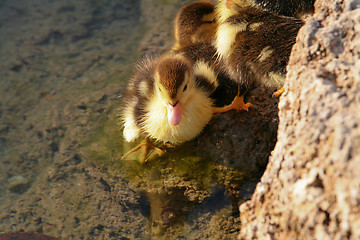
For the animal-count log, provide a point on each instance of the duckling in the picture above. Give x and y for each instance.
(195, 22)
(167, 101)
(255, 44)
(291, 8)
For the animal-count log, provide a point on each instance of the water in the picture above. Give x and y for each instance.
(64, 67)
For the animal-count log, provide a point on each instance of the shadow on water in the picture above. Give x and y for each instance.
(177, 187)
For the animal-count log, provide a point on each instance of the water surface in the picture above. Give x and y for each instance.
(63, 70)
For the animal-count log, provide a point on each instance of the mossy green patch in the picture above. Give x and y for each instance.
(103, 146)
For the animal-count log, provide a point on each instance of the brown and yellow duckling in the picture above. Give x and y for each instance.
(254, 44)
(168, 101)
(195, 22)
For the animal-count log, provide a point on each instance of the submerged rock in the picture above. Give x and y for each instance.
(18, 184)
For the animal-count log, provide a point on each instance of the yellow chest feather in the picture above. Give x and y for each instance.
(196, 113)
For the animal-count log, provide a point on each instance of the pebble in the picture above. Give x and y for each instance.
(18, 184)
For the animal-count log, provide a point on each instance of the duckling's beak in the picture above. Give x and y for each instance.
(174, 113)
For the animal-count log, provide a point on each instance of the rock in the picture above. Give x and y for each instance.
(311, 187)
(18, 184)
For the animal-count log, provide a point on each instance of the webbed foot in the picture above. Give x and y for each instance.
(237, 104)
(279, 92)
(148, 151)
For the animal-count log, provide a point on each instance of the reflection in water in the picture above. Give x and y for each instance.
(175, 186)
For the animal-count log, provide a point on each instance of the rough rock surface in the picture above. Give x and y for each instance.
(311, 187)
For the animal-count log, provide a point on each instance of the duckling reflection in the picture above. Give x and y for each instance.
(177, 187)
(255, 44)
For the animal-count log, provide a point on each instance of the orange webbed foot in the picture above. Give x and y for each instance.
(237, 104)
(279, 92)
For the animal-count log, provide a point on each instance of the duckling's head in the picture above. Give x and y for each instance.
(173, 85)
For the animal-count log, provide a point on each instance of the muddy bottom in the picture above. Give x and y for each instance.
(64, 67)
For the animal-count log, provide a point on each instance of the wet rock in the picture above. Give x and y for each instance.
(310, 189)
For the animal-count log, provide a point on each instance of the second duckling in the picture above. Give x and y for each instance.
(255, 44)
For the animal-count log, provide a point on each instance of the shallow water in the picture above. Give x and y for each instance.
(63, 69)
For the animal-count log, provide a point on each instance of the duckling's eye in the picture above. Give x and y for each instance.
(185, 88)
(160, 90)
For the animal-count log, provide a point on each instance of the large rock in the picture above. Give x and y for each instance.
(311, 187)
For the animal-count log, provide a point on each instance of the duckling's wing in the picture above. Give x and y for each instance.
(140, 90)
